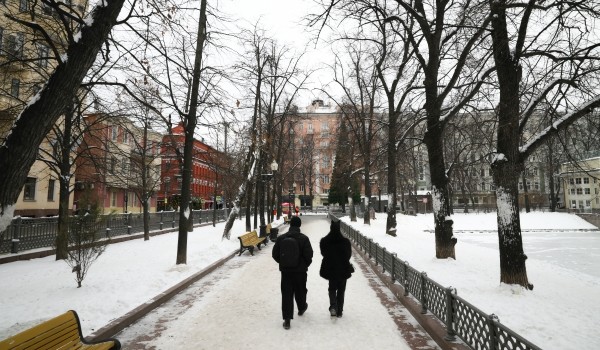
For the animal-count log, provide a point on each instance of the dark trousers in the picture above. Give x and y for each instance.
(293, 286)
(337, 289)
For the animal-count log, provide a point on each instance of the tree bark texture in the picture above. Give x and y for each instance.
(508, 164)
(444, 238)
(20, 149)
(188, 148)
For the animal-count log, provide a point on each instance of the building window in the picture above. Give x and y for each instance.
(43, 56)
(571, 181)
(14, 87)
(572, 191)
(126, 137)
(325, 179)
(587, 190)
(23, 5)
(51, 185)
(586, 180)
(114, 132)
(14, 45)
(579, 191)
(578, 181)
(536, 185)
(573, 204)
(113, 199)
(588, 203)
(483, 186)
(113, 165)
(29, 189)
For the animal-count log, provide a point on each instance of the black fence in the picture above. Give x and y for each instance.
(476, 328)
(33, 233)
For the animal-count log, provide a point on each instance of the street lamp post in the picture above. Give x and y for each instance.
(379, 190)
(291, 193)
(274, 168)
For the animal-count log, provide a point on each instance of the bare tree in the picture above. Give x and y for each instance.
(547, 45)
(19, 149)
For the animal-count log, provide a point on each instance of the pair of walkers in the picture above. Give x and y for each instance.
(293, 252)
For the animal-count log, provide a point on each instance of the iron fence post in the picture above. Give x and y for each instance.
(450, 335)
(370, 248)
(405, 278)
(160, 225)
(492, 329)
(173, 221)
(108, 227)
(377, 254)
(423, 293)
(383, 259)
(129, 223)
(14, 247)
(393, 272)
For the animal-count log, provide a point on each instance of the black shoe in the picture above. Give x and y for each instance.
(286, 324)
(339, 314)
(302, 311)
(332, 312)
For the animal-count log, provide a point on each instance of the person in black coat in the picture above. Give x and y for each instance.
(336, 267)
(293, 279)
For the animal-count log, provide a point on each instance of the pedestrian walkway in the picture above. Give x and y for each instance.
(239, 307)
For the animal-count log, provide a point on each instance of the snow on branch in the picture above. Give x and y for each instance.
(561, 124)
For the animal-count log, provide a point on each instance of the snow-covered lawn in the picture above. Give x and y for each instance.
(562, 312)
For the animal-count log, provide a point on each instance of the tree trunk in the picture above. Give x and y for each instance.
(525, 194)
(507, 164)
(64, 167)
(20, 148)
(444, 239)
(188, 148)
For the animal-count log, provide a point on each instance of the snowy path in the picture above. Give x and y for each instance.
(238, 307)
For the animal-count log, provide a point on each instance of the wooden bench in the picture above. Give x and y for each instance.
(61, 332)
(249, 240)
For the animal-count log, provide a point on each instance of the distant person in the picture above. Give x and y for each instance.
(297, 210)
(294, 254)
(336, 266)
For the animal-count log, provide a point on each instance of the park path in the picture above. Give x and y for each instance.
(238, 307)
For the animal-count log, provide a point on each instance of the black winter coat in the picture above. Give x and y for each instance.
(336, 251)
(306, 251)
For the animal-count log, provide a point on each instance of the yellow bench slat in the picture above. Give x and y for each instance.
(61, 332)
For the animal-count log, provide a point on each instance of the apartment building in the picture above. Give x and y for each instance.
(581, 185)
(207, 163)
(26, 60)
(119, 163)
(314, 134)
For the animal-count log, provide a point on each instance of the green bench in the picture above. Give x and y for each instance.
(249, 240)
(61, 332)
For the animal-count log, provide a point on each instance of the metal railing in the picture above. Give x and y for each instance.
(476, 328)
(32, 233)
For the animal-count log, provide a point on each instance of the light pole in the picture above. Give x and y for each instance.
(274, 168)
(291, 193)
(379, 190)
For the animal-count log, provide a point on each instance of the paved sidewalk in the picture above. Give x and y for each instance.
(238, 307)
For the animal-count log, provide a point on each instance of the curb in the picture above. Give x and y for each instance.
(430, 324)
(117, 325)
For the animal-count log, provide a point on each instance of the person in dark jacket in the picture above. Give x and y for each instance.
(336, 267)
(293, 279)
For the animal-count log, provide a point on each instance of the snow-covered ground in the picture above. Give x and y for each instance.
(560, 313)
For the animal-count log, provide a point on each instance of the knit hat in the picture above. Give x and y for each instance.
(295, 222)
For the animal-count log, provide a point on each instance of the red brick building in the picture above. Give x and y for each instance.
(205, 168)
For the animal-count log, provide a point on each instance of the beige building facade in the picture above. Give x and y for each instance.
(581, 185)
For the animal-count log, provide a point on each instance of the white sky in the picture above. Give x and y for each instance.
(563, 251)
